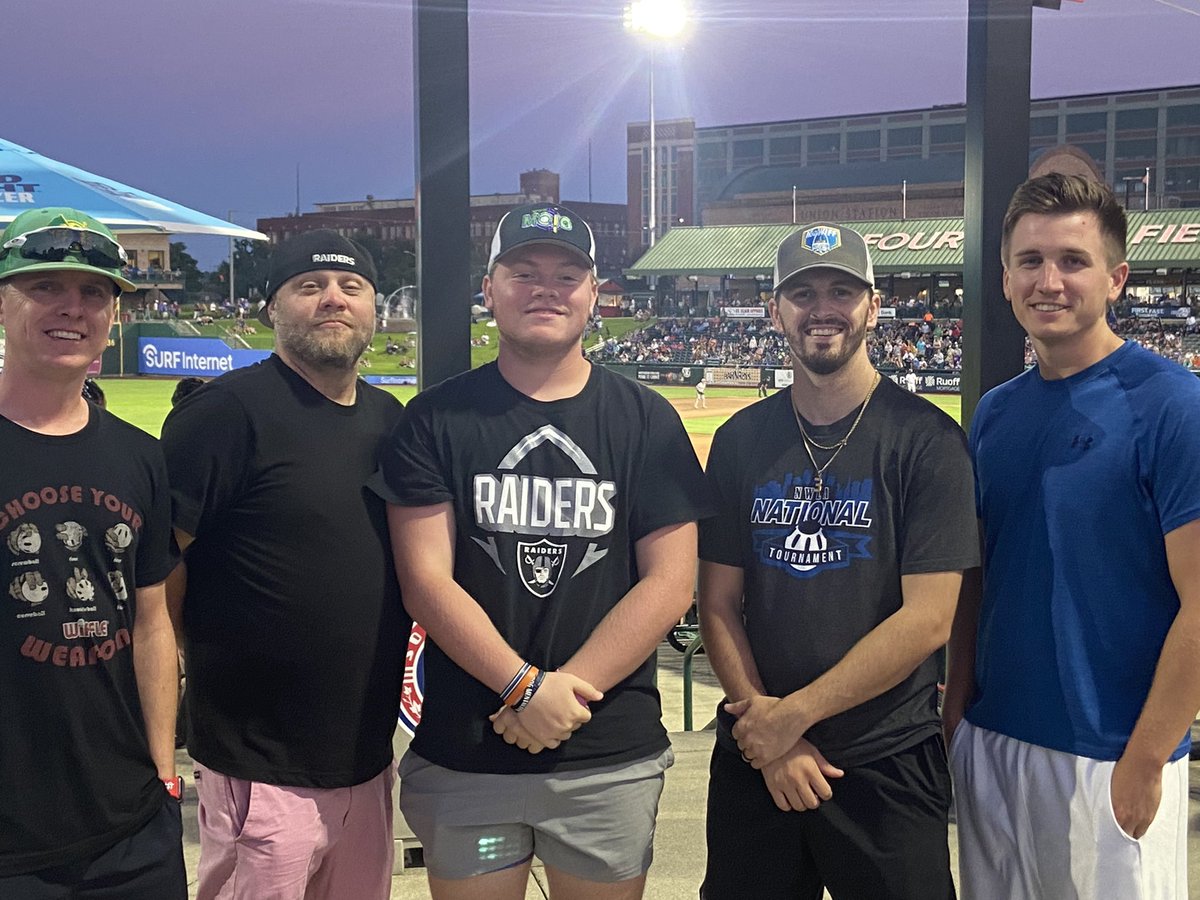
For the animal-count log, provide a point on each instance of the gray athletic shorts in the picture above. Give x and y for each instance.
(596, 824)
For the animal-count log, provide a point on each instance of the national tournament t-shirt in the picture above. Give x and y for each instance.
(823, 565)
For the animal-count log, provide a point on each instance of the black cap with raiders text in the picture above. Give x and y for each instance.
(823, 245)
(311, 252)
(542, 223)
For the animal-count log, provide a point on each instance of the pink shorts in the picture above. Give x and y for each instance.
(270, 842)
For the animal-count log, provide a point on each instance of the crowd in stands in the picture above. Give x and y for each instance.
(901, 344)
(1180, 343)
(915, 345)
(153, 273)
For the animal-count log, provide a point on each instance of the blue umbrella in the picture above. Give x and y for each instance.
(29, 180)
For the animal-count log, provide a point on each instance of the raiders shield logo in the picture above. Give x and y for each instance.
(540, 565)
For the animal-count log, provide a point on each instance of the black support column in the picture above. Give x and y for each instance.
(443, 189)
(997, 161)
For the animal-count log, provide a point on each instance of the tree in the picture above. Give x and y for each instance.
(184, 263)
(395, 261)
(252, 263)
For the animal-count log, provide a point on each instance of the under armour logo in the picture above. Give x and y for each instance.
(1082, 441)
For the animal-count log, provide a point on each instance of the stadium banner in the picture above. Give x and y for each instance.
(192, 356)
(732, 376)
(389, 379)
(744, 312)
(651, 374)
(1160, 312)
(887, 312)
(931, 381)
(668, 375)
(782, 377)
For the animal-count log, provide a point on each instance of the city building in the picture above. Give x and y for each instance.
(395, 220)
(903, 164)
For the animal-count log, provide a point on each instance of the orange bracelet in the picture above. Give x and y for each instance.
(516, 688)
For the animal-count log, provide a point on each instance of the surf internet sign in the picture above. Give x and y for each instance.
(206, 357)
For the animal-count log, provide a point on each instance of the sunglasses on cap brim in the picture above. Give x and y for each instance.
(53, 244)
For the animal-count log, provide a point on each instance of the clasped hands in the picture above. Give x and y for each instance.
(768, 734)
(556, 711)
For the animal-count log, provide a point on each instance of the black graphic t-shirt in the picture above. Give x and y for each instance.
(822, 567)
(549, 500)
(84, 523)
(293, 626)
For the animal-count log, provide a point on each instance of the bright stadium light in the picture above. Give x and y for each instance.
(657, 18)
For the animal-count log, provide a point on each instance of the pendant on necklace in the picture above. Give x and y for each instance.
(817, 482)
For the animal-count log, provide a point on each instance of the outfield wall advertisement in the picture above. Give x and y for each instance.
(206, 357)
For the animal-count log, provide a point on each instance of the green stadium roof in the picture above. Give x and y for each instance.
(1159, 239)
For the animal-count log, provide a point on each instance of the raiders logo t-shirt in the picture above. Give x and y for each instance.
(549, 500)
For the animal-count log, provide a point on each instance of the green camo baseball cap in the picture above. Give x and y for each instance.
(58, 238)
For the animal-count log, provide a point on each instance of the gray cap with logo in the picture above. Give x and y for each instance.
(823, 245)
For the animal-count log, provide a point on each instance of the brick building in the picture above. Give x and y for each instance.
(395, 220)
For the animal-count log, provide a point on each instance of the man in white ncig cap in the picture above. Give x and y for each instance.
(89, 798)
(828, 579)
(543, 518)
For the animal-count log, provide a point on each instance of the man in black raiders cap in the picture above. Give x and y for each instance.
(293, 629)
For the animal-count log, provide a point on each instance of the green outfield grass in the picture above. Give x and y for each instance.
(146, 401)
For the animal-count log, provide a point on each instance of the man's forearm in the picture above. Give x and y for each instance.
(960, 651)
(629, 634)
(463, 631)
(155, 663)
(1174, 696)
(633, 628)
(728, 648)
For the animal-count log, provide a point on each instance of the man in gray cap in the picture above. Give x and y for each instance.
(88, 792)
(828, 579)
(293, 629)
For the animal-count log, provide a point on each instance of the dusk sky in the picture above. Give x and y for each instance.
(213, 103)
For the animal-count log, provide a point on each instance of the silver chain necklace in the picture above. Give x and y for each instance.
(837, 446)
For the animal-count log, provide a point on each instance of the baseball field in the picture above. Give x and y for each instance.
(146, 401)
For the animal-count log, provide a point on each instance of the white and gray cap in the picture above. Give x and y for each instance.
(541, 223)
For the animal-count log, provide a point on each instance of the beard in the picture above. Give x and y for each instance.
(324, 350)
(828, 361)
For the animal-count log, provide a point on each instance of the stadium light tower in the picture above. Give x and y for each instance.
(658, 20)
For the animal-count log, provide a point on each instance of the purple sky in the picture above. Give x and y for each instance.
(213, 103)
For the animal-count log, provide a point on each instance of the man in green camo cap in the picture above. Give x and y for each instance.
(88, 792)
(61, 238)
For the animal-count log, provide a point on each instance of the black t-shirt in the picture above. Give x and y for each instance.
(85, 520)
(293, 626)
(823, 570)
(549, 501)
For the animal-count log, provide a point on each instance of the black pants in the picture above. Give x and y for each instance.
(881, 837)
(147, 865)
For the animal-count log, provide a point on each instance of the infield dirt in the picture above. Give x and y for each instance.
(717, 406)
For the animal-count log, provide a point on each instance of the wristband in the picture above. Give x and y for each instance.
(174, 786)
(530, 691)
(512, 694)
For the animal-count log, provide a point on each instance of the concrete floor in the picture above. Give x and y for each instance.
(679, 841)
